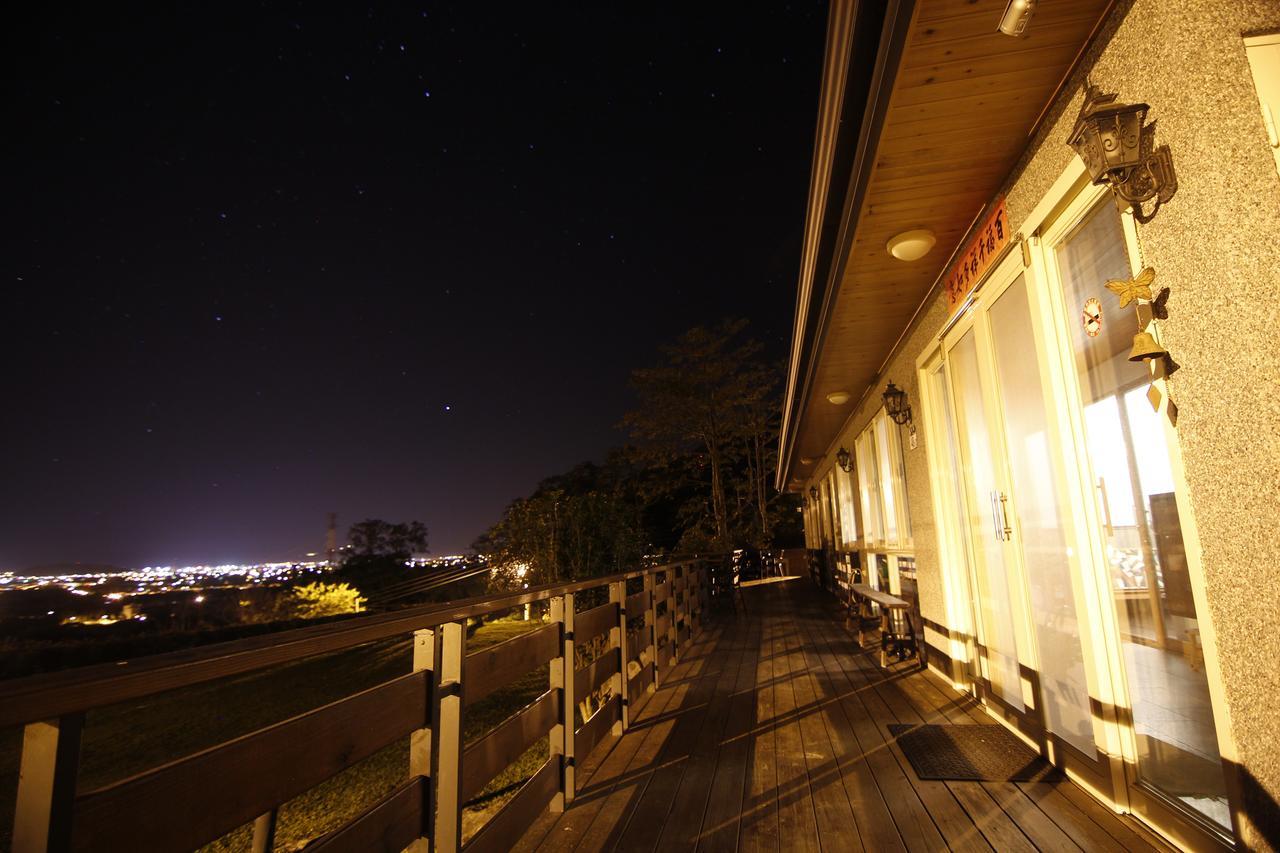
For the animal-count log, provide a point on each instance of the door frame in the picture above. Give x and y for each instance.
(1070, 200)
(1097, 771)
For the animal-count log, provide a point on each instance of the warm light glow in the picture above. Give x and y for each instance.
(838, 398)
(911, 245)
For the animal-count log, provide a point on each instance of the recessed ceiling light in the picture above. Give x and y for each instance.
(912, 245)
(838, 397)
(806, 460)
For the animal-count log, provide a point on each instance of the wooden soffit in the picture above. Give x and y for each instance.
(959, 103)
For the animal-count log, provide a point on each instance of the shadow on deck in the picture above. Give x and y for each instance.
(772, 732)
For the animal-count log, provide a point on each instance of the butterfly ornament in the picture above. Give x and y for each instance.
(1132, 289)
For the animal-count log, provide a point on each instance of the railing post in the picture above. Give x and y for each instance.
(618, 643)
(47, 785)
(651, 625)
(562, 673)
(704, 585)
(426, 658)
(264, 831)
(446, 738)
(692, 601)
(674, 611)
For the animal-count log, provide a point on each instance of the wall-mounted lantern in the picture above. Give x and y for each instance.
(844, 460)
(895, 403)
(1118, 148)
(813, 493)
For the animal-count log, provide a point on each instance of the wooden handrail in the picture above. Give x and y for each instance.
(248, 778)
(52, 695)
(495, 667)
(312, 747)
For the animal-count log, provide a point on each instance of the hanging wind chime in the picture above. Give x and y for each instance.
(1146, 348)
(1118, 148)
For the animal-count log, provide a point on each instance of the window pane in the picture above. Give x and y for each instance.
(1132, 483)
(848, 517)
(884, 468)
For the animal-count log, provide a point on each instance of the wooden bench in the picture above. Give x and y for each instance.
(897, 635)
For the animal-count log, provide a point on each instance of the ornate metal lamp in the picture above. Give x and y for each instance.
(813, 493)
(1118, 148)
(844, 460)
(895, 403)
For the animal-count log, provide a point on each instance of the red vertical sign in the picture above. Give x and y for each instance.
(978, 256)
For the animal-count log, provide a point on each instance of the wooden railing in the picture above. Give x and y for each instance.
(836, 572)
(192, 801)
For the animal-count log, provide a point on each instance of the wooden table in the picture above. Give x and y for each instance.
(897, 635)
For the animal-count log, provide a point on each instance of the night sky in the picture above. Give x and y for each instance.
(267, 262)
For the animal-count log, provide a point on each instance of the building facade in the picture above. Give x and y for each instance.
(1082, 480)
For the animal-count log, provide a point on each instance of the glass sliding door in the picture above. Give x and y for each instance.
(1029, 596)
(994, 605)
(1038, 527)
(948, 494)
(1139, 532)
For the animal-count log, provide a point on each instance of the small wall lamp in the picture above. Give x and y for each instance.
(1119, 149)
(844, 460)
(1017, 14)
(813, 492)
(895, 403)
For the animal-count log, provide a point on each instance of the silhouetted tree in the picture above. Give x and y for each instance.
(715, 399)
(379, 553)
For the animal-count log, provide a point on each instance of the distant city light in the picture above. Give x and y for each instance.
(150, 580)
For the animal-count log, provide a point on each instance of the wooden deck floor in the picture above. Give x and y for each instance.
(771, 734)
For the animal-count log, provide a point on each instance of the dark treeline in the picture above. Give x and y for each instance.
(697, 475)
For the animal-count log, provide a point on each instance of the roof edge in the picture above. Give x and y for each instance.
(870, 38)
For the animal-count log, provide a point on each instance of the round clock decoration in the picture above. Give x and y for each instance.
(1091, 317)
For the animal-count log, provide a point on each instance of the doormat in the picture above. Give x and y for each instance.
(977, 753)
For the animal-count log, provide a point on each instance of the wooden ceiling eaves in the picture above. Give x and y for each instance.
(976, 21)
(962, 105)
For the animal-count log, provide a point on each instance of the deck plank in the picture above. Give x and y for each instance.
(837, 821)
(658, 808)
(885, 704)
(634, 748)
(915, 826)
(720, 823)
(875, 824)
(610, 821)
(683, 825)
(759, 820)
(772, 734)
(1034, 823)
(798, 813)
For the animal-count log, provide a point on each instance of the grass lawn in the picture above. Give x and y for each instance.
(123, 740)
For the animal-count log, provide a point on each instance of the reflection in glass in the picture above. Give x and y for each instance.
(1064, 690)
(887, 493)
(994, 602)
(1160, 636)
(869, 488)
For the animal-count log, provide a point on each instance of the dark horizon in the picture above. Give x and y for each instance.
(267, 264)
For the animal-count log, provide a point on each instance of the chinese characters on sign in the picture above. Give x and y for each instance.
(978, 256)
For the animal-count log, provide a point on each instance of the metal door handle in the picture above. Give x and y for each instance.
(1106, 508)
(995, 515)
(1004, 510)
